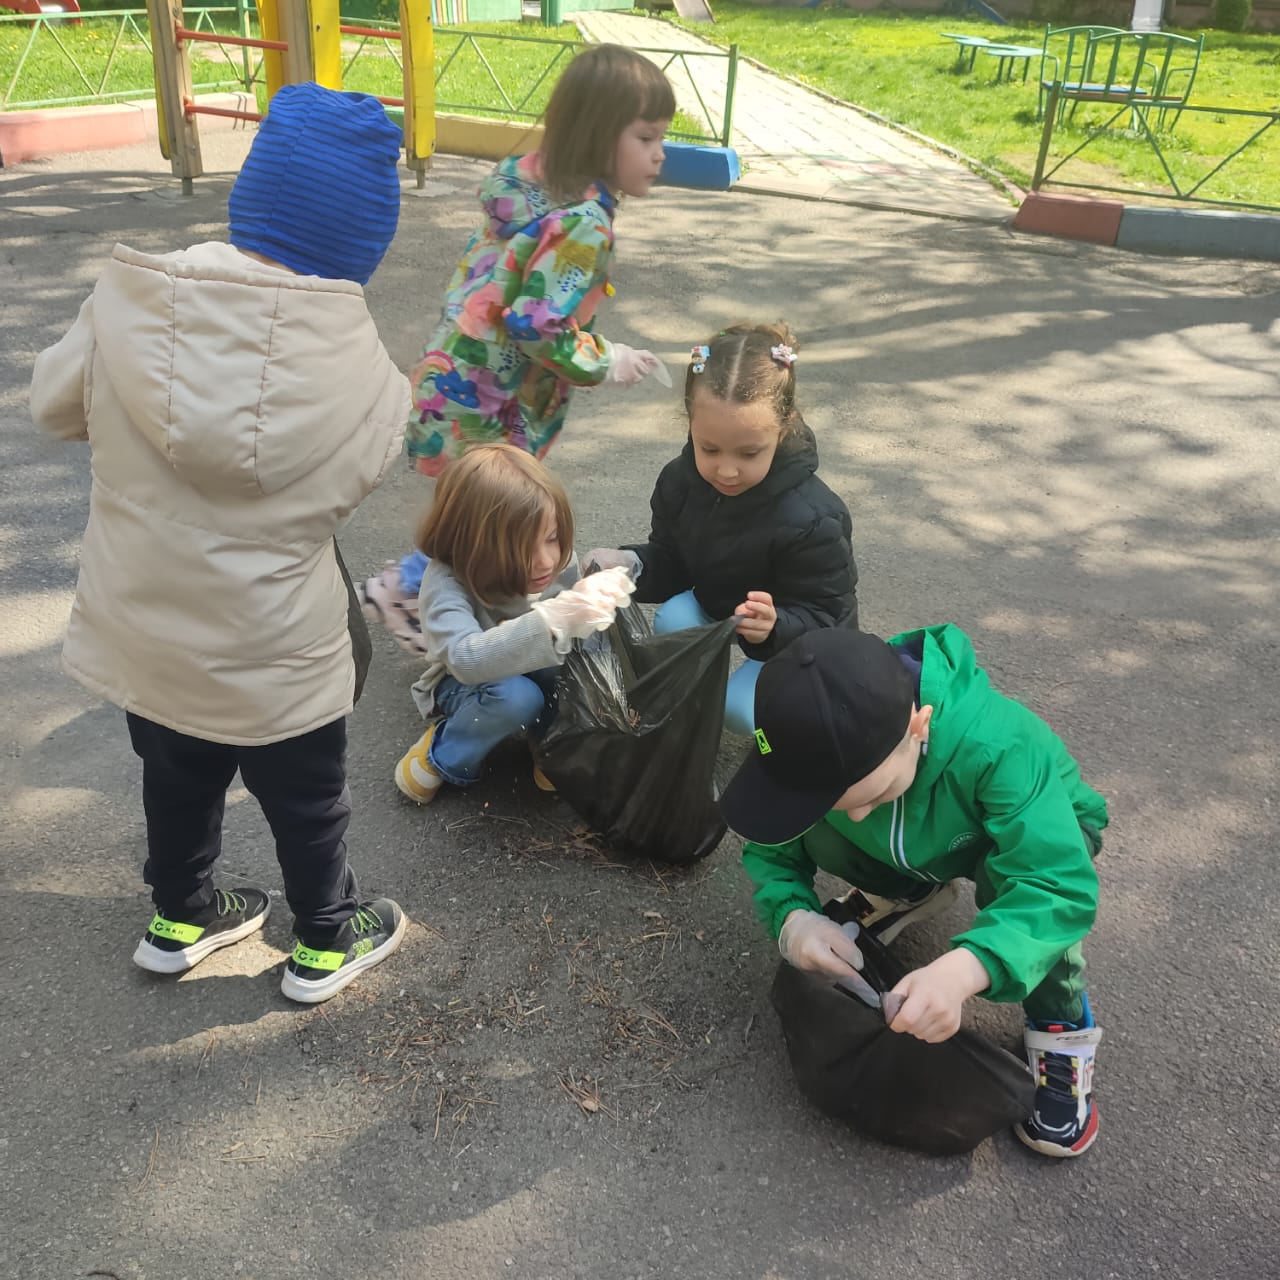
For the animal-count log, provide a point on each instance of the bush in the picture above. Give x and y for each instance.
(1071, 13)
(364, 10)
(1232, 15)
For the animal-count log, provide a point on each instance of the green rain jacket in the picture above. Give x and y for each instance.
(996, 796)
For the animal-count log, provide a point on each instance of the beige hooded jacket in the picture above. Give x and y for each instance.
(237, 415)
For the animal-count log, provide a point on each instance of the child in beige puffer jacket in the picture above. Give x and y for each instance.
(239, 406)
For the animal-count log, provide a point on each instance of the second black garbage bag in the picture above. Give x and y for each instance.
(632, 747)
(942, 1099)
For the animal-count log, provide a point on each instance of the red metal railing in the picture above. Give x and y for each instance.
(370, 33)
(190, 108)
(213, 37)
(210, 37)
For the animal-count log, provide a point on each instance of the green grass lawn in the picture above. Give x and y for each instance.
(899, 66)
(525, 69)
(370, 66)
(93, 61)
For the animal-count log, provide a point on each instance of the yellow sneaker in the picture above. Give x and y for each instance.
(541, 781)
(415, 775)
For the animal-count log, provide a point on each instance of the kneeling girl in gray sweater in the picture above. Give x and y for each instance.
(501, 603)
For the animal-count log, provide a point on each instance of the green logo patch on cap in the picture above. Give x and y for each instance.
(763, 743)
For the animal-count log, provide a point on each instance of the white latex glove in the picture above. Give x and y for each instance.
(613, 585)
(611, 558)
(812, 942)
(588, 606)
(627, 365)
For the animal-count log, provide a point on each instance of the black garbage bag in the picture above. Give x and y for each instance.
(942, 1099)
(632, 746)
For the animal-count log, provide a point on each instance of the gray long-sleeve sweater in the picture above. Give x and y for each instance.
(476, 643)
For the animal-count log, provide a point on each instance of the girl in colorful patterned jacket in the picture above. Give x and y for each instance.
(516, 334)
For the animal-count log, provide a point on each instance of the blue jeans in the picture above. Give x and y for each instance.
(682, 612)
(478, 717)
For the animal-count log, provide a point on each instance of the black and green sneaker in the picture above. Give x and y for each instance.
(368, 938)
(172, 944)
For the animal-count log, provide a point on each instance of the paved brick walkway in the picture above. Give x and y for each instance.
(797, 143)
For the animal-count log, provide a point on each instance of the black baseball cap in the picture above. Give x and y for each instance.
(830, 709)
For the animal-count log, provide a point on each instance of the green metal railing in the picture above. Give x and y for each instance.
(485, 73)
(527, 101)
(518, 104)
(391, 47)
(68, 51)
(682, 56)
(1141, 130)
(511, 76)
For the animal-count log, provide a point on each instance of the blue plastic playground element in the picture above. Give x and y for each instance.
(703, 168)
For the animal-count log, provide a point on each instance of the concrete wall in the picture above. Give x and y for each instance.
(448, 13)
(51, 131)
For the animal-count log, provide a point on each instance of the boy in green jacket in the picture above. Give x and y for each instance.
(897, 767)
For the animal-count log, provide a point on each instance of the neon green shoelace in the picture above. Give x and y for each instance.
(365, 920)
(229, 902)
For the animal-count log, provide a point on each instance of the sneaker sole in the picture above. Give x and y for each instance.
(154, 960)
(1057, 1150)
(313, 992)
(408, 788)
(936, 905)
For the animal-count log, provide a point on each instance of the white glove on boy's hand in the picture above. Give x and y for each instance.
(810, 941)
(588, 606)
(627, 365)
(612, 558)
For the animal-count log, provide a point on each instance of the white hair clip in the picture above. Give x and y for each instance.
(784, 355)
(700, 356)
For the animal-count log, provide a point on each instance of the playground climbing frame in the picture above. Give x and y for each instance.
(300, 40)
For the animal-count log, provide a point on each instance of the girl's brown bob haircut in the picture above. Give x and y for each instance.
(740, 369)
(488, 512)
(602, 91)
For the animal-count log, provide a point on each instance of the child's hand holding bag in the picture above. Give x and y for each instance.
(586, 607)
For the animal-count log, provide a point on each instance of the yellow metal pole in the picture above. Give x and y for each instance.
(326, 43)
(418, 56)
(179, 135)
(162, 122)
(272, 59)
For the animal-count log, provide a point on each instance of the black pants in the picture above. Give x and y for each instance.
(301, 784)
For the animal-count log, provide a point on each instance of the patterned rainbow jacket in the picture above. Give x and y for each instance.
(515, 335)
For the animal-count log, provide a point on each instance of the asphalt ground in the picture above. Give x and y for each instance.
(571, 1069)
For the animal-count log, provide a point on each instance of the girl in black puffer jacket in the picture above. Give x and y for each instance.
(741, 523)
